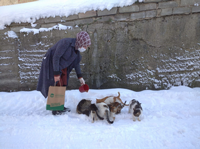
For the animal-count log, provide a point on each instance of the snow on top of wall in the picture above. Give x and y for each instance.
(30, 12)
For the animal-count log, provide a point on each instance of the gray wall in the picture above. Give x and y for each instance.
(151, 45)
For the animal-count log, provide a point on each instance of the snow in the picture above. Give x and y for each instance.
(115, 77)
(171, 119)
(30, 12)
(36, 31)
(11, 34)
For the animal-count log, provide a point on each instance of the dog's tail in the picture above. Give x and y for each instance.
(124, 104)
(118, 94)
(107, 117)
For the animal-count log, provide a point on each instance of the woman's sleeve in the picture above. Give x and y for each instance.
(78, 71)
(60, 50)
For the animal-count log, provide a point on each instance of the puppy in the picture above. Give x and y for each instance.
(136, 109)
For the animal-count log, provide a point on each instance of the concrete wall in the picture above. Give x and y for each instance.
(150, 45)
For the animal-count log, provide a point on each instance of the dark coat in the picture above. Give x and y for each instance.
(58, 57)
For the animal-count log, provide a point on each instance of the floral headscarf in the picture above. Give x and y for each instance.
(82, 40)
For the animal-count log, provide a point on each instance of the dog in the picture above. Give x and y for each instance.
(85, 107)
(111, 99)
(103, 111)
(135, 108)
(115, 108)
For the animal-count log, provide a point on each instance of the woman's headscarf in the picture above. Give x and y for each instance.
(82, 40)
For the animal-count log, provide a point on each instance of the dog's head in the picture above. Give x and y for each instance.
(115, 107)
(137, 112)
(138, 106)
(93, 108)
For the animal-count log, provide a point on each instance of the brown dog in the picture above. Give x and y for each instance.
(116, 107)
(110, 99)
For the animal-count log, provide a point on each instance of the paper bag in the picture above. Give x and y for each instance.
(56, 98)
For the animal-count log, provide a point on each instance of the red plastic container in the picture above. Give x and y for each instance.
(84, 88)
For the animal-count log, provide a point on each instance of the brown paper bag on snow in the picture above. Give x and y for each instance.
(56, 98)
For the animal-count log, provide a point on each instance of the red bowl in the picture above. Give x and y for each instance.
(84, 88)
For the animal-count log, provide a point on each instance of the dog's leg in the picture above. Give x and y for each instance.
(93, 117)
(134, 118)
(96, 117)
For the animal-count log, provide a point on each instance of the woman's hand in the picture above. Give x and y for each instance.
(57, 78)
(82, 81)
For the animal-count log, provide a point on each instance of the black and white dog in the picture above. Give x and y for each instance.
(135, 108)
(104, 112)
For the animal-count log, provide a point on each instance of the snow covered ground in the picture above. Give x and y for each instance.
(171, 120)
